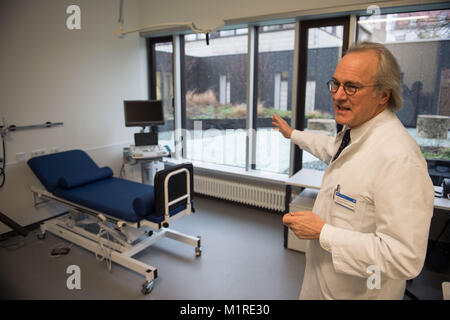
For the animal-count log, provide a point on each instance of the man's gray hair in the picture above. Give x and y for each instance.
(388, 75)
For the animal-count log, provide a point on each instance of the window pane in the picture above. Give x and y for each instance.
(420, 42)
(215, 98)
(275, 57)
(164, 91)
(324, 53)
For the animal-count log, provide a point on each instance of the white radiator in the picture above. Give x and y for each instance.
(251, 194)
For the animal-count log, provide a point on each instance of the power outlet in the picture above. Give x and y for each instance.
(38, 152)
(21, 157)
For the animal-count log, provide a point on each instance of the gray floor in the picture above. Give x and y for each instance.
(243, 258)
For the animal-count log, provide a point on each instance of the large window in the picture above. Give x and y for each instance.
(275, 59)
(421, 43)
(215, 97)
(213, 86)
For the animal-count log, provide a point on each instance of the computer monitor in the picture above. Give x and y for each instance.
(146, 139)
(142, 113)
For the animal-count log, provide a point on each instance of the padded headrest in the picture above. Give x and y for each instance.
(176, 187)
(73, 167)
(76, 179)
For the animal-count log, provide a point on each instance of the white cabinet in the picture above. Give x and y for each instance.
(302, 202)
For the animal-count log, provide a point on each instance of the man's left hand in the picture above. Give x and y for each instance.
(305, 224)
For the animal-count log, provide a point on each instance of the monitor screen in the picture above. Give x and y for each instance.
(141, 113)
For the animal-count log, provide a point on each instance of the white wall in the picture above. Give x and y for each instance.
(203, 12)
(210, 13)
(79, 77)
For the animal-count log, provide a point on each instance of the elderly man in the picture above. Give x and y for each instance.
(369, 226)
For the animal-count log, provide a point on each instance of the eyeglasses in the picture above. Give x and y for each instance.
(349, 89)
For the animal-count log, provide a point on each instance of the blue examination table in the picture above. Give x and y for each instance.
(127, 216)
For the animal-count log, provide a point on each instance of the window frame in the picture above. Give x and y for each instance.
(302, 75)
(151, 63)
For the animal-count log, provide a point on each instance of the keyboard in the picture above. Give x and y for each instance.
(144, 152)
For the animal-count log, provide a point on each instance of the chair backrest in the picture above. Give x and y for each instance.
(176, 187)
(51, 168)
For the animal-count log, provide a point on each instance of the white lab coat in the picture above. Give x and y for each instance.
(387, 233)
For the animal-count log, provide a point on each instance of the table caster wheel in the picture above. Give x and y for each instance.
(147, 287)
(198, 251)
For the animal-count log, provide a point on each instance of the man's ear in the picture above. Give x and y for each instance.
(385, 96)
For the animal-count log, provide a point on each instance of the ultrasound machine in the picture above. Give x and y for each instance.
(146, 149)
